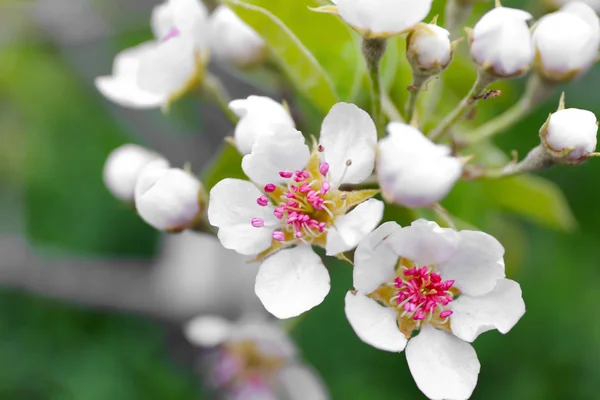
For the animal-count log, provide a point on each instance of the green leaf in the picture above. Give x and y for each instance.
(301, 66)
(534, 198)
(226, 164)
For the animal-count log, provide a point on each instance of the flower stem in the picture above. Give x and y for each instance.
(468, 102)
(213, 89)
(538, 159)
(535, 92)
(414, 90)
(373, 51)
(457, 13)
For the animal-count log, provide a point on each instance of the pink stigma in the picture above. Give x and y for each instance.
(422, 294)
(173, 32)
(258, 222)
(279, 236)
(262, 201)
(324, 168)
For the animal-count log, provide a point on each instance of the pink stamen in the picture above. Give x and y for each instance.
(324, 168)
(262, 201)
(270, 188)
(258, 222)
(325, 186)
(285, 174)
(445, 314)
(279, 236)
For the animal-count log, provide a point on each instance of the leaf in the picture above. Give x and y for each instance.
(534, 198)
(226, 164)
(301, 66)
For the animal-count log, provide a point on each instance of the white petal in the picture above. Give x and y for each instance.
(373, 323)
(122, 87)
(348, 134)
(499, 309)
(168, 67)
(476, 265)
(425, 243)
(299, 382)
(161, 20)
(191, 19)
(258, 115)
(269, 336)
(443, 366)
(573, 128)
(281, 150)
(231, 207)
(292, 281)
(374, 259)
(383, 16)
(351, 228)
(208, 331)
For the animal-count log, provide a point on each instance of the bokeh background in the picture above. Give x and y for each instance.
(92, 299)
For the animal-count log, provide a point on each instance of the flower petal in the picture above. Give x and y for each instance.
(269, 336)
(499, 309)
(208, 331)
(374, 259)
(476, 265)
(443, 366)
(283, 149)
(258, 115)
(121, 87)
(191, 19)
(348, 133)
(231, 207)
(292, 281)
(161, 21)
(373, 323)
(349, 229)
(425, 243)
(298, 382)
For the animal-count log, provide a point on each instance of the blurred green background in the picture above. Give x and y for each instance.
(56, 131)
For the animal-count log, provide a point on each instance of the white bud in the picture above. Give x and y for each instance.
(412, 170)
(232, 41)
(595, 4)
(167, 198)
(429, 47)
(122, 168)
(501, 42)
(570, 134)
(258, 115)
(382, 18)
(566, 42)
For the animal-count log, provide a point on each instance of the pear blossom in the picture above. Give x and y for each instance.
(429, 47)
(294, 199)
(448, 286)
(122, 168)
(154, 73)
(412, 170)
(566, 42)
(501, 42)
(168, 199)
(252, 359)
(595, 4)
(258, 115)
(380, 18)
(234, 42)
(571, 133)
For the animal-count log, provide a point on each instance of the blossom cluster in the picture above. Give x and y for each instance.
(424, 289)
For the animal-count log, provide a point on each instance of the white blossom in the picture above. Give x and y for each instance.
(156, 72)
(595, 4)
(501, 41)
(232, 41)
(122, 168)
(253, 359)
(295, 199)
(571, 130)
(429, 47)
(566, 42)
(412, 170)
(259, 116)
(449, 285)
(380, 18)
(168, 198)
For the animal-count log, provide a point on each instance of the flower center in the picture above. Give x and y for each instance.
(304, 204)
(422, 295)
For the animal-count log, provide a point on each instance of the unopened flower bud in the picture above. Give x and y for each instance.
(569, 135)
(122, 168)
(566, 42)
(168, 199)
(501, 42)
(412, 170)
(259, 116)
(428, 48)
(232, 41)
